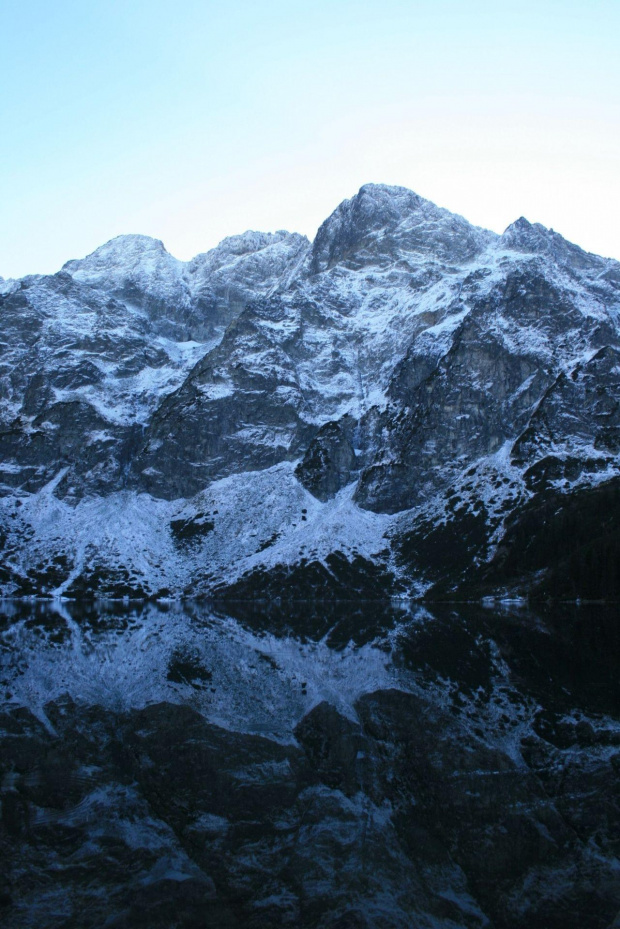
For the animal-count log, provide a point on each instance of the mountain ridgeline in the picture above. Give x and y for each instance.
(407, 406)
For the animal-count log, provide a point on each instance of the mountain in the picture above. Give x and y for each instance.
(409, 405)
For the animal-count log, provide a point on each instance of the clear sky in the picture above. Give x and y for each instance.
(190, 121)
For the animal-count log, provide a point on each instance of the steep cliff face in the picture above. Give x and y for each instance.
(383, 403)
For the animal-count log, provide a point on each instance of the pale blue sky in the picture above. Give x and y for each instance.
(194, 120)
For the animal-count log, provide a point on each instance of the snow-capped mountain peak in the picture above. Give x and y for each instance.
(385, 402)
(389, 220)
(125, 255)
(534, 238)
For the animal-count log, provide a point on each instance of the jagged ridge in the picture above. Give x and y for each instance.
(405, 384)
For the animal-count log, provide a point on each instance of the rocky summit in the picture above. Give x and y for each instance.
(407, 406)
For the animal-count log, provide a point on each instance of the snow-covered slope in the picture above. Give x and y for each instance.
(372, 412)
(89, 353)
(195, 299)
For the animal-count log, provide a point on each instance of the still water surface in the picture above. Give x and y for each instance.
(333, 765)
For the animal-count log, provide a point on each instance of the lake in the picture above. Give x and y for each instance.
(336, 765)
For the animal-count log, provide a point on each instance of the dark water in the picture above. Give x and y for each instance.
(329, 766)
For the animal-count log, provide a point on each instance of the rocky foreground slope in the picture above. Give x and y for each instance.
(408, 405)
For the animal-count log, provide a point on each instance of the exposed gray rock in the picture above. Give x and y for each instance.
(406, 380)
(329, 463)
(380, 222)
(196, 299)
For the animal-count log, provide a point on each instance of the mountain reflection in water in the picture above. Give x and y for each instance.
(334, 765)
